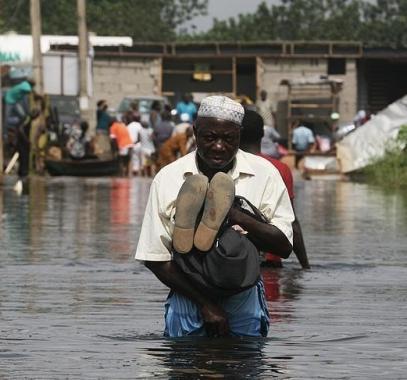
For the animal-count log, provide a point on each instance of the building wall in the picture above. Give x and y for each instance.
(272, 71)
(116, 78)
(119, 77)
(349, 95)
(113, 79)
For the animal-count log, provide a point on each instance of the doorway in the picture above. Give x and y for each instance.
(246, 77)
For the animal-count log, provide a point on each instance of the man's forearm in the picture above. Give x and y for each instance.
(265, 236)
(214, 317)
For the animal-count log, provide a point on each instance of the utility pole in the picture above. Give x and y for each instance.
(35, 13)
(83, 55)
(1, 133)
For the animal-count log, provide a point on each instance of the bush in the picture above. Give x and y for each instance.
(390, 170)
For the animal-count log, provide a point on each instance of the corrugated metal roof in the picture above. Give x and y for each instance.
(17, 48)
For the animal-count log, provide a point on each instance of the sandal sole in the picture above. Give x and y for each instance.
(189, 203)
(219, 199)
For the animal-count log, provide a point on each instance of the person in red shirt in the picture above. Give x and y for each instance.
(250, 141)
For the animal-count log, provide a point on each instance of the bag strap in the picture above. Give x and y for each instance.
(255, 212)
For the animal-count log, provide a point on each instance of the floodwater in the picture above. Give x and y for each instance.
(74, 304)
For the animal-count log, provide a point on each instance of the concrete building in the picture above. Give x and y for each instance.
(231, 68)
(371, 78)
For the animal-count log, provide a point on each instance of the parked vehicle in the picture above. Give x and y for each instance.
(66, 109)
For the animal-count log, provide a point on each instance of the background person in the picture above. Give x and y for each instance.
(175, 147)
(17, 107)
(102, 117)
(155, 114)
(250, 141)
(121, 136)
(135, 112)
(266, 109)
(303, 140)
(132, 119)
(183, 125)
(23, 143)
(18, 104)
(78, 144)
(269, 142)
(38, 131)
(163, 130)
(147, 150)
(187, 106)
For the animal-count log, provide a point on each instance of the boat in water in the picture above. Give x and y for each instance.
(93, 167)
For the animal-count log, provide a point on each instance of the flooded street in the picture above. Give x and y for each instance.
(75, 304)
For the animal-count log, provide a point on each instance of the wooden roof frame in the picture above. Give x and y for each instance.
(272, 49)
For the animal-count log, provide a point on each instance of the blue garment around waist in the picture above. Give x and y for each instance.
(247, 314)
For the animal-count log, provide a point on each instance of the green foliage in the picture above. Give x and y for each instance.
(385, 23)
(402, 136)
(144, 20)
(376, 23)
(391, 170)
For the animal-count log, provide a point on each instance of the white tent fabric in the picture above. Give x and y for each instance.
(370, 141)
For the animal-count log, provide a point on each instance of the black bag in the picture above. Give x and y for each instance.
(232, 265)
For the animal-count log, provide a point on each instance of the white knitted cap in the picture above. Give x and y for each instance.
(221, 107)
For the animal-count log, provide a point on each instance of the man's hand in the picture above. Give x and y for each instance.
(215, 320)
(233, 215)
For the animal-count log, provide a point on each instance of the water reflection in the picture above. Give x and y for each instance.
(120, 212)
(36, 206)
(1, 212)
(216, 358)
(83, 218)
(282, 286)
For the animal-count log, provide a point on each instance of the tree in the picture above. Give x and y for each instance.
(374, 22)
(144, 20)
(379, 23)
(385, 23)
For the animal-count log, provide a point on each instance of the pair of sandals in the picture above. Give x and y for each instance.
(216, 198)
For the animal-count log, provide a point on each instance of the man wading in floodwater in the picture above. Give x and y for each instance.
(176, 195)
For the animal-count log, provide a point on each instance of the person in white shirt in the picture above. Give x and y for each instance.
(134, 127)
(143, 145)
(266, 109)
(189, 311)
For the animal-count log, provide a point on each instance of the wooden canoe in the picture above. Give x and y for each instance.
(82, 168)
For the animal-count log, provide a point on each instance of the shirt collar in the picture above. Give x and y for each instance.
(241, 166)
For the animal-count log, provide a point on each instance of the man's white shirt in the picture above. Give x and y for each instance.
(255, 179)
